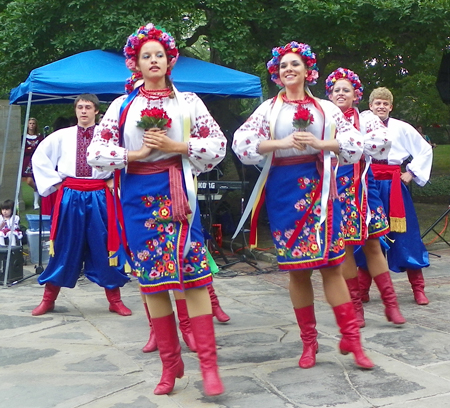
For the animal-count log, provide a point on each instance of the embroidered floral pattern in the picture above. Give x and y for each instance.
(379, 220)
(196, 263)
(306, 247)
(159, 258)
(350, 214)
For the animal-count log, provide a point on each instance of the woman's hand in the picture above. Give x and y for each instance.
(307, 139)
(288, 142)
(142, 153)
(158, 139)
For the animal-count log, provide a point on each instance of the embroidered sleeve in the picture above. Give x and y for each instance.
(207, 144)
(45, 161)
(349, 139)
(249, 136)
(104, 152)
(375, 135)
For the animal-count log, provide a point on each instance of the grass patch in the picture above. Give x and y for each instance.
(437, 190)
(441, 162)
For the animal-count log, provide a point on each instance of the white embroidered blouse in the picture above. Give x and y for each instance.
(206, 145)
(257, 128)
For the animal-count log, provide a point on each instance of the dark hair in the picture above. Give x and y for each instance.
(60, 123)
(87, 97)
(169, 85)
(7, 205)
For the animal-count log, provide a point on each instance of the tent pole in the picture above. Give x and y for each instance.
(19, 179)
(5, 144)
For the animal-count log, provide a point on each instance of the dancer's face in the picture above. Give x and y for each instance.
(343, 94)
(381, 108)
(152, 62)
(293, 71)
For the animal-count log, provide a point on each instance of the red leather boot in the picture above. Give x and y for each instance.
(217, 311)
(151, 344)
(389, 298)
(415, 277)
(351, 339)
(165, 329)
(353, 288)
(364, 280)
(203, 329)
(306, 320)
(185, 324)
(115, 303)
(48, 300)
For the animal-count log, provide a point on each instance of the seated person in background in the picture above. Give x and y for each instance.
(9, 226)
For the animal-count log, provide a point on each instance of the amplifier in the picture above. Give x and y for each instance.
(15, 264)
(220, 186)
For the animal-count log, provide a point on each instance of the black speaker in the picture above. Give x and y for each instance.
(15, 264)
(443, 79)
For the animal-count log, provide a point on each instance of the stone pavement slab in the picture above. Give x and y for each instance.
(81, 355)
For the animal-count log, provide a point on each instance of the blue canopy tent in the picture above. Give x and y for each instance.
(104, 73)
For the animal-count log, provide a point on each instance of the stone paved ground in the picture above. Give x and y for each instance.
(83, 356)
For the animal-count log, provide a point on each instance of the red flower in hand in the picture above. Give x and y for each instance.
(154, 118)
(302, 118)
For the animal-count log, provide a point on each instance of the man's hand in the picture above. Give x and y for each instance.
(406, 177)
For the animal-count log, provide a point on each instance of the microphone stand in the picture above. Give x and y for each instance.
(242, 257)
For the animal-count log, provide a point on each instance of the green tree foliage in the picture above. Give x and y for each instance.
(388, 42)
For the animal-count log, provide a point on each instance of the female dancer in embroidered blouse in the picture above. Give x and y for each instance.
(344, 89)
(32, 140)
(167, 247)
(293, 193)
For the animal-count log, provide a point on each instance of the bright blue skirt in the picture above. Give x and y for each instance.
(288, 195)
(156, 241)
(354, 223)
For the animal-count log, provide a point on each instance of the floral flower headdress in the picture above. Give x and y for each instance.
(344, 73)
(304, 50)
(144, 34)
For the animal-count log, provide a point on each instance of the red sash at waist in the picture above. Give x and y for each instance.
(397, 214)
(385, 171)
(180, 205)
(81, 184)
(287, 161)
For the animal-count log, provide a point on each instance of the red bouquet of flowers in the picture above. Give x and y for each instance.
(154, 118)
(302, 118)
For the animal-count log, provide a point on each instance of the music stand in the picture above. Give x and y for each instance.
(431, 228)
